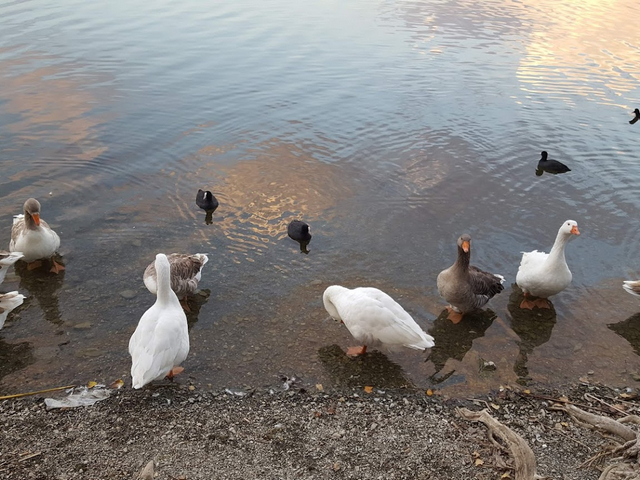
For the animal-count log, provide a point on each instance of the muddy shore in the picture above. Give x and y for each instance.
(298, 433)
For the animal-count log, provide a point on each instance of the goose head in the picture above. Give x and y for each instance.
(570, 227)
(32, 212)
(544, 155)
(464, 243)
(637, 112)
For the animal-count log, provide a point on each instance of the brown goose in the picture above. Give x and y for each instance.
(186, 271)
(466, 287)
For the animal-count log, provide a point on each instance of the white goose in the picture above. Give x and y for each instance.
(6, 260)
(545, 274)
(632, 286)
(374, 318)
(161, 340)
(33, 237)
(186, 272)
(9, 301)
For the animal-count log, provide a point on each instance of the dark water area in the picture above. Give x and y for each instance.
(391, 128)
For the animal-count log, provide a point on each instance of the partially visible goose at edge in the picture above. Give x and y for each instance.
(160, 342)
(9, 301)
(632, 286)
(6, 260)
(543, 274)
(464, 286)
(34, 238)
(374, 319)
(186, 272)
(551, 166)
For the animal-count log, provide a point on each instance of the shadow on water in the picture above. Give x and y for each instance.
(455, 340)
(629, 329)
(534, 328)
(43, 286)
(195, 303)
(14, 357)
(303, 246)
(372, 368)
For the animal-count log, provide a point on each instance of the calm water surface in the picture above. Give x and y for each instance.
(391, 127)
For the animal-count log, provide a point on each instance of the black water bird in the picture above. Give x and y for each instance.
(636, 118)
(550, 166)
(206, 201)
(299, 231)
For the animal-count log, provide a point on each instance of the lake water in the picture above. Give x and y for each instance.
(391, 127)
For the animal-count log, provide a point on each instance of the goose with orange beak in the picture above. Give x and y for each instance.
(34, 238)
(541, 274)
(464, 286)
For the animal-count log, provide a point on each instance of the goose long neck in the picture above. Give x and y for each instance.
(557, 251)
(462, 262)
(29, 221)
(328, 304)
(163, 273)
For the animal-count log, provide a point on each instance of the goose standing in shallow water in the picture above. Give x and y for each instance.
(374, 318)
(551, 166)
(543, 274)
(33, 237)
(161, 339)
(6, 260)
(186, 271)
(466, 287)
(9, 301)
(632, 286)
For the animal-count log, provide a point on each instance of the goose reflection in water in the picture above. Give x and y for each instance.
(43, 286)
(534, 328)
(195, 303)
(14, 357)
(374, 369)
(454, 340)
(629, 329)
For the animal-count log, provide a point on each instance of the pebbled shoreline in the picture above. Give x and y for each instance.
(191, 434)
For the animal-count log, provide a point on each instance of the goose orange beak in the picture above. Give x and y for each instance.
(36, 218)
(465, 246)
(574, 230)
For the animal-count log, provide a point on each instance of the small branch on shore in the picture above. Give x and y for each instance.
(19, 395)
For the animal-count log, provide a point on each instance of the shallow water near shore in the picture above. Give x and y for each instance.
(391, 128)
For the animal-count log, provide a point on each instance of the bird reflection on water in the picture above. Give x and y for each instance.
(534, 328)
(455, 340)
(42, 286)
(373, 368)
(629, 329)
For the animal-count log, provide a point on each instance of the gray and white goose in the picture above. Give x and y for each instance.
(34, 237)
(464, 286)
(186, 272)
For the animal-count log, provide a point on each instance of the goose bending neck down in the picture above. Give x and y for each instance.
(160, 342)
(374, 319)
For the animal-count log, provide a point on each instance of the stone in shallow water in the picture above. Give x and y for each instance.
(128, 294)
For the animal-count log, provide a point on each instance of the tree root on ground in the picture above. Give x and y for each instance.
(626, 464)
(524, 459)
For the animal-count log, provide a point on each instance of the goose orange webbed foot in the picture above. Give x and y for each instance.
(453, 316)
(33, 265)
(530, 303)
(185, 305)
(174, 371)
(56, 267)
(356, 351)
